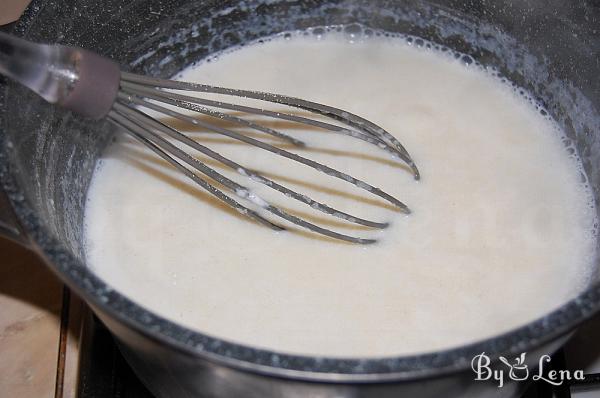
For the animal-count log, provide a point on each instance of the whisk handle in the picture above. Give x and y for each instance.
(74, 78)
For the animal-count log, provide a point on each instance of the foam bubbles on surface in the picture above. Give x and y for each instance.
(502, 204)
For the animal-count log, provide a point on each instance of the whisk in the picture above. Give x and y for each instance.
(93, 86)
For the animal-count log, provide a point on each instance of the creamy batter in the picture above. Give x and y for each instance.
(501, 231)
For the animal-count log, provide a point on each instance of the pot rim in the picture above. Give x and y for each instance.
(358, 370)
(406, 367)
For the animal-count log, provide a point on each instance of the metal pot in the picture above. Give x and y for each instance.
(47, 157)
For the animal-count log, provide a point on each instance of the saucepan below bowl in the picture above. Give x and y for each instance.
(47, 157)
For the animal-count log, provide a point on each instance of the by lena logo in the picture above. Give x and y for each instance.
(518, 370)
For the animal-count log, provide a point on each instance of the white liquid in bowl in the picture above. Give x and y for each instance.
(501, 231)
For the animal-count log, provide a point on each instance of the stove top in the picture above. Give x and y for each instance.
(104, 373)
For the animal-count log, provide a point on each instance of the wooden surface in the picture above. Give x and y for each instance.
(30, 303)
(11, 10)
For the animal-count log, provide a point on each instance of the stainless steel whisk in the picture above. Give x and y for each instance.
(94, 86)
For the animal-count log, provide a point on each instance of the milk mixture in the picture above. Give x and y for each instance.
(501, 230)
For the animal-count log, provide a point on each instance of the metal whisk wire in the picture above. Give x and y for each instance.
(137, 92)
